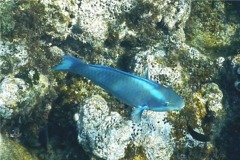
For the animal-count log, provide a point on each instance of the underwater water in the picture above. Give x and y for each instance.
(192, 48)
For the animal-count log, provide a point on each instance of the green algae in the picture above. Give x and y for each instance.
(6, 66)
(31, 80)
(12, 150)
(134, 153)
(145, 29)
(213, 28)
(78, 90)
(7, 23)
(29, 21)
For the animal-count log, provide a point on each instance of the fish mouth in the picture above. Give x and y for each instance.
(182, 105)
(176, 106)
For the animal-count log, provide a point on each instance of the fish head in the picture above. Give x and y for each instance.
(172, 101)
(166, 99)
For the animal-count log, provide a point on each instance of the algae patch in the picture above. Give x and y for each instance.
(12, 150)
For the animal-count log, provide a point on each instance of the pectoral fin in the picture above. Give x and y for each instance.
(137, 114)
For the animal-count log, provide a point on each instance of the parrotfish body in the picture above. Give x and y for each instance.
(138, 92)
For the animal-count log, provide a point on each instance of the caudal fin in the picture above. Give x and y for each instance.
(68, 63)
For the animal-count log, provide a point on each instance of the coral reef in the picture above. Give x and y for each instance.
(21, 89)
(6, 17)
(218, 33)
(12, 150)
(190, 46)
(203, 111)
(18, 54)
(95, 17)
(11, 90)
(228, 140)
(101, 132)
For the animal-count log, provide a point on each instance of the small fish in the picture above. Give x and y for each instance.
(138, 92)
(198, 136)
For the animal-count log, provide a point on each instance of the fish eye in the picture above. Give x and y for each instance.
(167, 103)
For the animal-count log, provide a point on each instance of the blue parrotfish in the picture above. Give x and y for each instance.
(138, 92)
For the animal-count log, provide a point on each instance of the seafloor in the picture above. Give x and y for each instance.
(190, 46)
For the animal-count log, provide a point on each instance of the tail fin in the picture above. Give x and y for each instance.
(68, 63)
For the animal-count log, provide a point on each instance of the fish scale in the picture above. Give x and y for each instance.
(138, 92)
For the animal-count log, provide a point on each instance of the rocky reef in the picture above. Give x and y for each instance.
(189, 46)
(12, 150)
(21, 87)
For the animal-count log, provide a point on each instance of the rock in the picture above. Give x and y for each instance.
(10, 96)
(12, 57)
(107, 134)
(12, 150)
(101, 132)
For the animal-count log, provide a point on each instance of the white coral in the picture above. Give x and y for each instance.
(107, 135)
